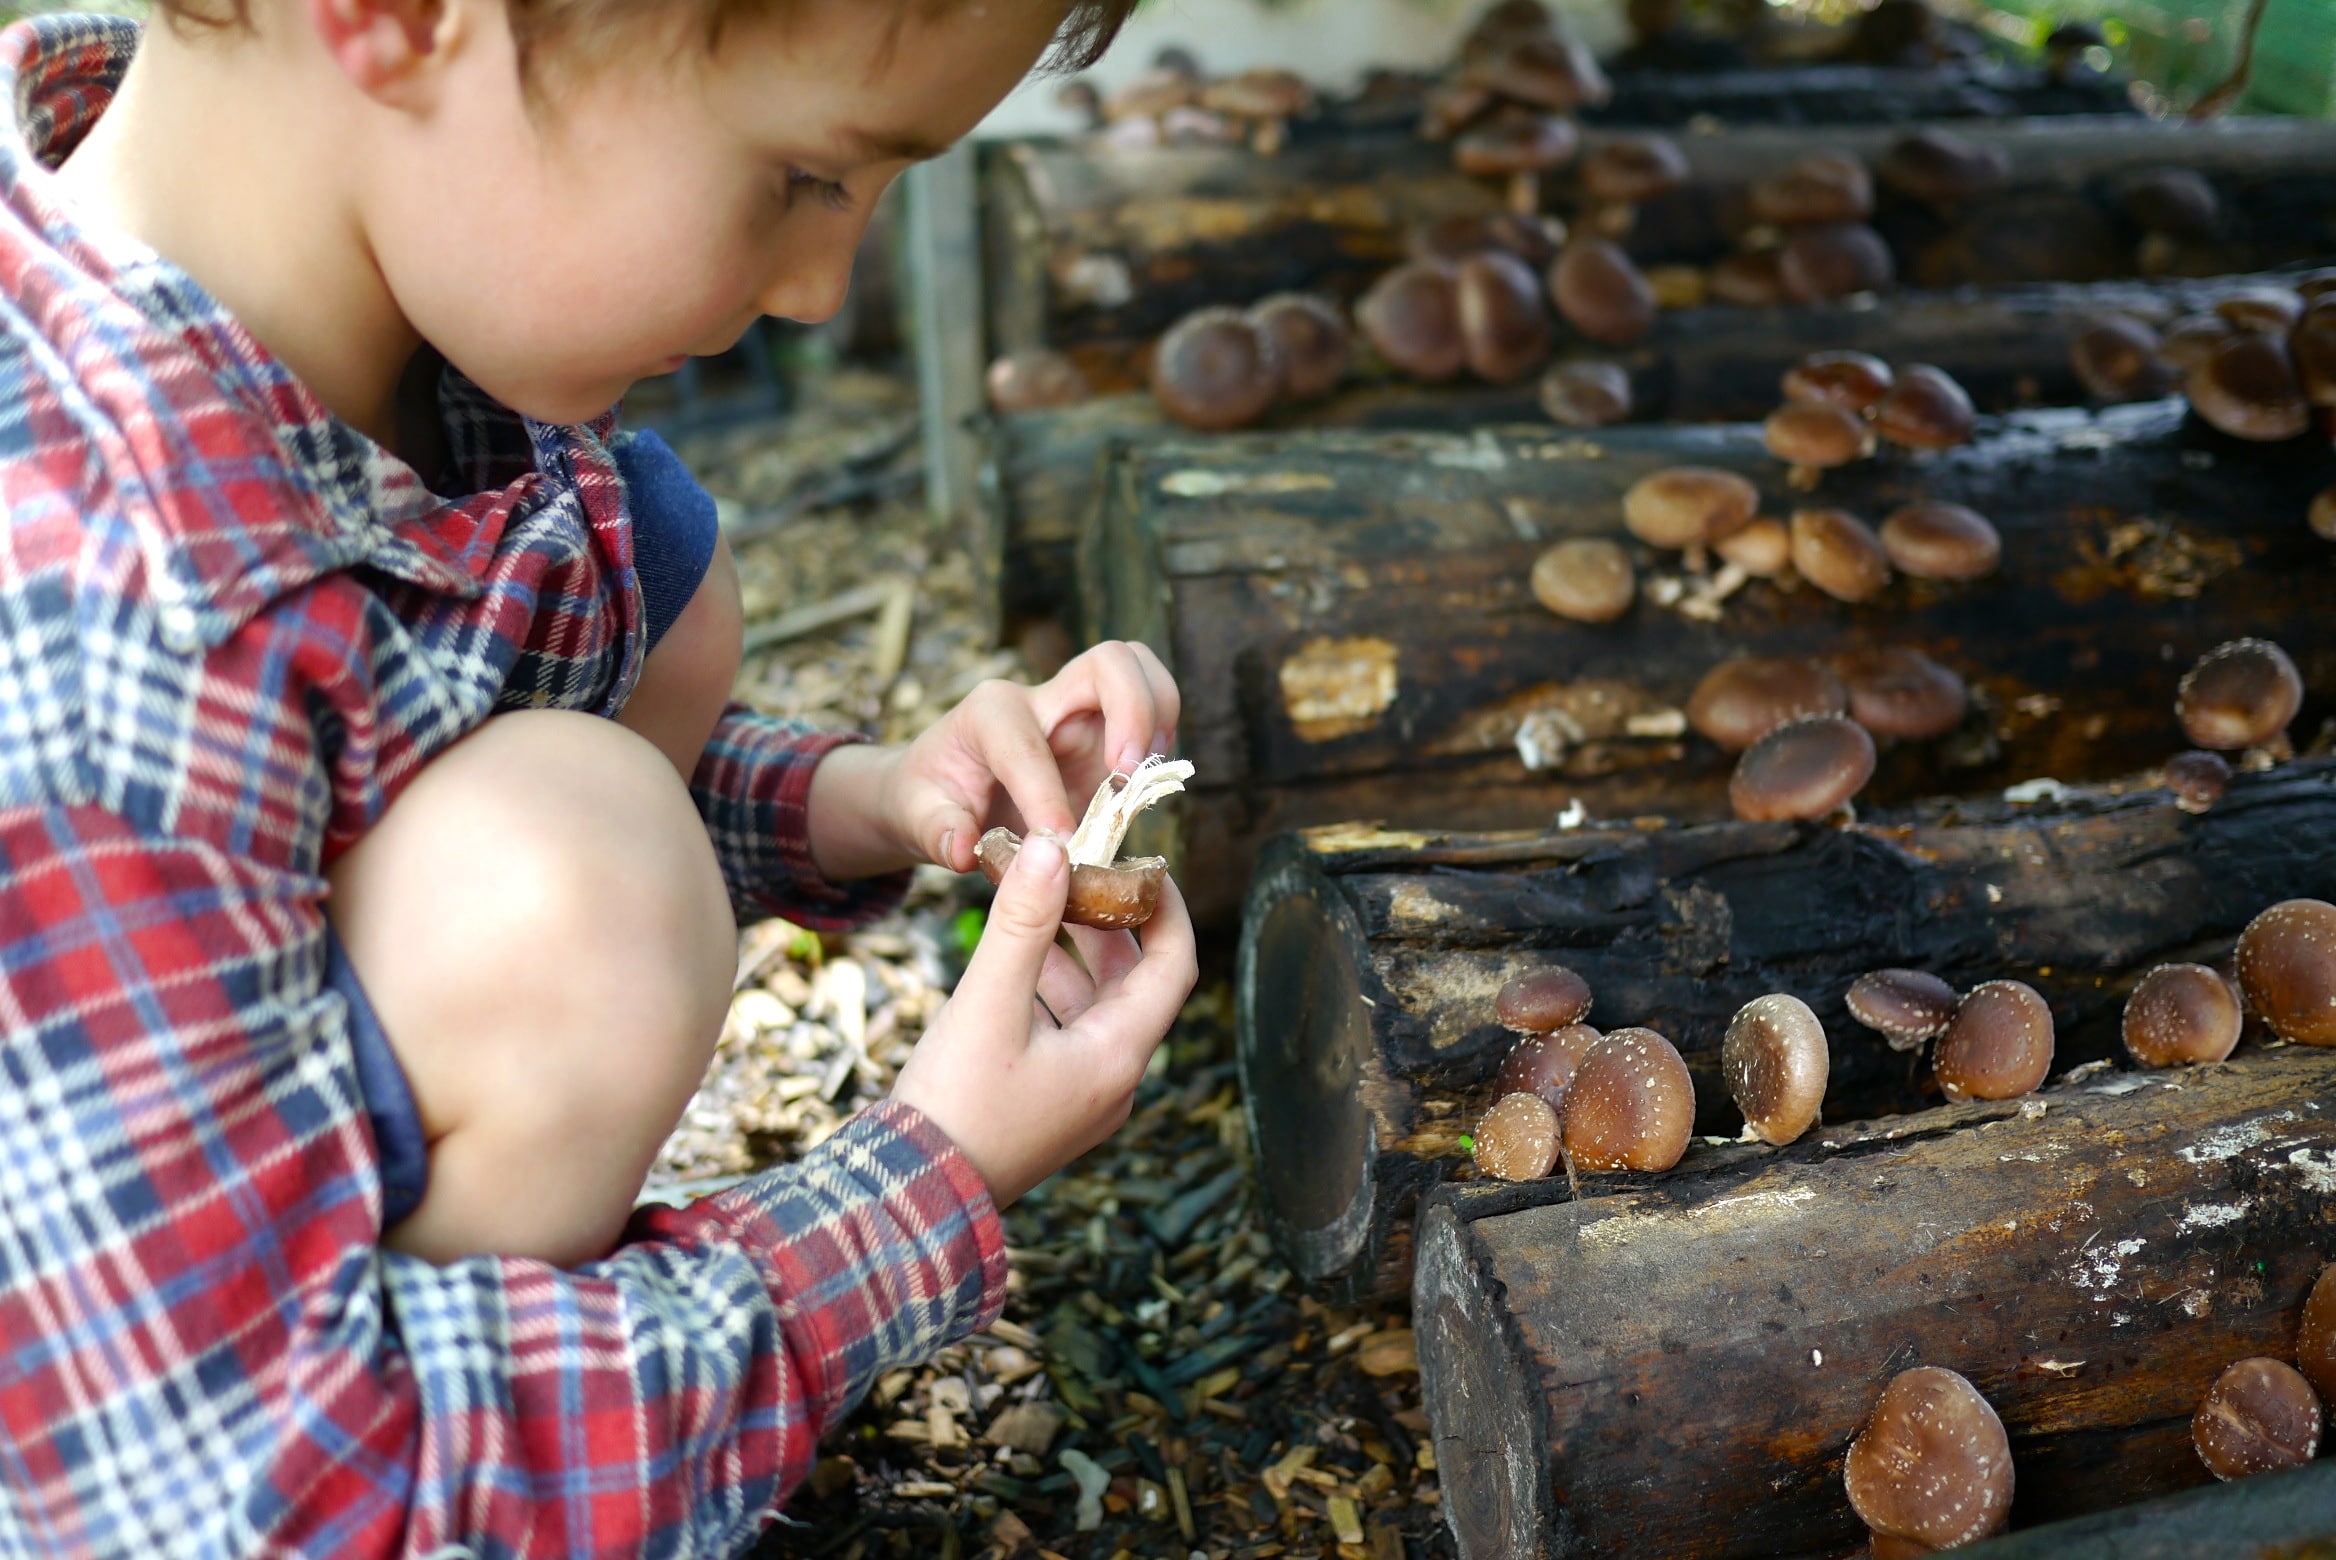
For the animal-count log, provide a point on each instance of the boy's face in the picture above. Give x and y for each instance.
(650, 208)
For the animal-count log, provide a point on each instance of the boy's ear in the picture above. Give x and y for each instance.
(388, 48)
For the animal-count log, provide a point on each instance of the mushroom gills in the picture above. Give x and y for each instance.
(1105, 891)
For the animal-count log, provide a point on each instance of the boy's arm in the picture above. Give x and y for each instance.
(207, 1349)
(753, 788)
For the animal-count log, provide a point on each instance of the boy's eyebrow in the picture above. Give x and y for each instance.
(889, 145)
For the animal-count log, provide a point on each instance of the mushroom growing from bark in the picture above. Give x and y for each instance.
(1824, 261)
(2181, 1014)
(2117, 358)
(1807, 770)
(2198, 779)
(1542, 1000)
(1503, 328)
(1586, 394)
(2260, 1416)
(1545, 1064)
(2315, 1340)
(1742, 700)
(1812, 437)
(2270, 311)
(2194, 338)
(2174, 202)
(1034, 381)
(1999, 1044)
(1687, 506)
(1839, 554)
(1264, 100)
(1311, 338)
(2247, 387)
(1748, 280)
(1935, 541)
(1601, 292)
(2321, 517)
(1904, 1007)
(1932, 1464)
(1553, 72)
(2240, 695)
(1451, 239)
(1821, 187)
(2287, 968)
(2312, 346)
(1897, 691)
(1412, 316)
(1631, 1105)
(1856, 381)
(1105, 891)
(1925, 410)
(1776, 1063)
(1518, 1139)
(1624, 172)
(1587, 579)
(1519, 146)
(1215, 370)
(1762, 546)
(1942, 169)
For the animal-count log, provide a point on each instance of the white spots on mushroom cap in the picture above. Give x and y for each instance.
(2212, 1216)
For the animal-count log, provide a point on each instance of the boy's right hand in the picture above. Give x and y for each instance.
(1019, 1093)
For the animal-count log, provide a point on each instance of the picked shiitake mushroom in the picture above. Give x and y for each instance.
(1904, 1007)
(1932, 1464)
(2240, 695)
(1776, 1062)
(2287, 968)
(1631, 1105)
(1105, 891)
(2260, 1416)
(1998, 1046)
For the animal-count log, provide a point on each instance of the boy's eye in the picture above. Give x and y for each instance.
(830, 193)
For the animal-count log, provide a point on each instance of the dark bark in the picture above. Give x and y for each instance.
(2274, 1517)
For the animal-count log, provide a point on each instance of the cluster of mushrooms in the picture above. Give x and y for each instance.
(1838, 406)
(2259, 365)
(1176, 103)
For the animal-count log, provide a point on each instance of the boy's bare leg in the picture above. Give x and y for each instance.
(544, 934)
(686, 683)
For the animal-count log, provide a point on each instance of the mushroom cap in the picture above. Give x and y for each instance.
(2240, 695)
(1763, 546)
(1742, 700)
(2312, 345)
(1515, 142)
(1631, 1105)
(1939, 168)
(1803, 770)
(2180, 1014)
(1543, 1000)
(1545, 1064)
(1448, 240)
(2314, 285)
(1817, 433)
(1259, 94)
(2273, 310)
(2321, 517)
(1503, 325)
(1855, 380)
(1999, 1044)
(1586, 394)
(1032, 381)
(2287, 969)
(1821, 187)
(1925, 410)
(1312, 339)
(1749, 280)
(1518, 1138)
(1934, 541)
(1215, 369)
(1119, 897)
(2260, 1416)
(2315, 1340)
(1601, 291)
(1150, 95)
(1687, 506)
(1588, 579)
(1451, 107)
(1505, 24)
(1775, 1060)
(1839, 554)
(2198, 779)
(1633, 168)
(2194, 338)
(1932, 1463)
(1822, 261)
(2177, 202)
(1897, 691)
(1412, 316)
(2247, 387)
(1549, 71)
(2116, 358)
(1904, 1007)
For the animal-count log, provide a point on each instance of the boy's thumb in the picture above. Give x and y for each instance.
(1023, 920)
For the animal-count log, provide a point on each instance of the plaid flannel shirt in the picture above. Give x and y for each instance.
(230, 630)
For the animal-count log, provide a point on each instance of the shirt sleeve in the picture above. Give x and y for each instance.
(205, 1349)
(753, 788)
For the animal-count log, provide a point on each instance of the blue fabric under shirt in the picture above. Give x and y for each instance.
(675, 528)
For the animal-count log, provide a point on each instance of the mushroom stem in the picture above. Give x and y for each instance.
(1573, 1177)
(1804, 479)
(1525, 192)
(1269, 137)
(1613, 218)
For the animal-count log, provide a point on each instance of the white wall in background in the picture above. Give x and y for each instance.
(1332, 41)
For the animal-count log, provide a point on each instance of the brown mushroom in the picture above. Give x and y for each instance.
(2269, 311)
(1631, 1105)
(1412, 316)
(1266, 100)
(1587, 579)
(1549, 72)
(1622, 173)
(1895, 691)
(1542, 1000)
(1586, 394)
(1215, 369)
(1932, 1464)
(1451, 107)
(1749, 280)
(1503, 327)
(1825, 261)
(1601, 292)
(2177, 202)
(1904, 1007)
(1122, 895)
(2321, 517)
(2247, 387)
(1763, 546)
(1151, 95)
(2315, 1339)
(2198, 779)
(1998, 1046)
(1742, 700)
(2180, 1014)
(1504, 25)
(1808, 769)
(1822, 187)
(1687, 506)
(1545, 1064)
(2312, 347)
(1839, 554)
(1451, 239)
(1518, 1138)
(1812, 437)
(1776, 1062)
(1925, 410)
(1942, 169)
(2240, 695)
(2287, 970)
(1033, 381)
(1519, 146)
(1311, 338)
(1854, 380)
(2194, 338)
(1933, 541)
(2260, 1416)
(2117, 358)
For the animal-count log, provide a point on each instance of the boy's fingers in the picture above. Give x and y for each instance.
(1007, 737)
(1002, 976)
(1138, 1009)
(1063, 986)
(1109, 954)
(1110, 679)
(1167, 702)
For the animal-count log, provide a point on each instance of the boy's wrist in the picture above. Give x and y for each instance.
(850, 815)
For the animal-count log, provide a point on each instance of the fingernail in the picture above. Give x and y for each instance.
(948, 851)
(1129, 757)
(1042, 853)
(1163, 741)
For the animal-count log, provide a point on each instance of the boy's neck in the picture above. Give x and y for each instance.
(217, 153)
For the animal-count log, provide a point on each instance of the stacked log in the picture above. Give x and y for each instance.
(2274, 1517)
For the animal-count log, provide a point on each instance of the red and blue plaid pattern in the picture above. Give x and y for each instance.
(230, 630)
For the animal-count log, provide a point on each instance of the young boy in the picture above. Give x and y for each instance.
(372, 814)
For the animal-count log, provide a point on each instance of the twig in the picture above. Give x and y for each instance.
(2223, 96)
(856, 602)
(892, 630)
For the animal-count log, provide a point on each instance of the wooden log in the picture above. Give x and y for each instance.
(1676, 1368)
(2281, 1516)
(1090, 245)
(1369, 961)
(1350, 619)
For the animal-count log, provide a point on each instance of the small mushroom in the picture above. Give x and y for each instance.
(1451, 239)
(1762, 547)
(1934, 541)
(1542, 1000)
(2240, 695)
(1808, 769)
(1545, 1064)
(1925, 410)
(1265, 100)
(1504, 25)
(1586, 394)
(1518, 1139)
(1742, 700)
(2181, 1014)
(2194, 338)
(2066, 48)
(1998, 1046)
(1895, 691)
(2270, 311)
(1839, 554)
(2176, 202)
(1687, 506)
(1822, 187)
(1601, 292)
(2198, 779)
(2247, 387)
(1749, 280)
(2321, 517)
(1151, 95)
(1776, 1062)
(1033, 381)
(1815, 436)
(2312, 347)
(2315, 1339)
(2287, 970)
(1932, 1464)
(1631, 1105)
(2260, 1416)
(1622, 173)
(1311, 338)
(1904, 1007)
(1215, 369)
(1549, 72)
(1824, 261)
(2117, 358)
(1854, 380)
(1503, 327)
(1940, 169)
(1587, 579)
(1412, 316)
(1451, 107)
(1519, 146)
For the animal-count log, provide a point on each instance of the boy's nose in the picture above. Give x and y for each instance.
(816, 277)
